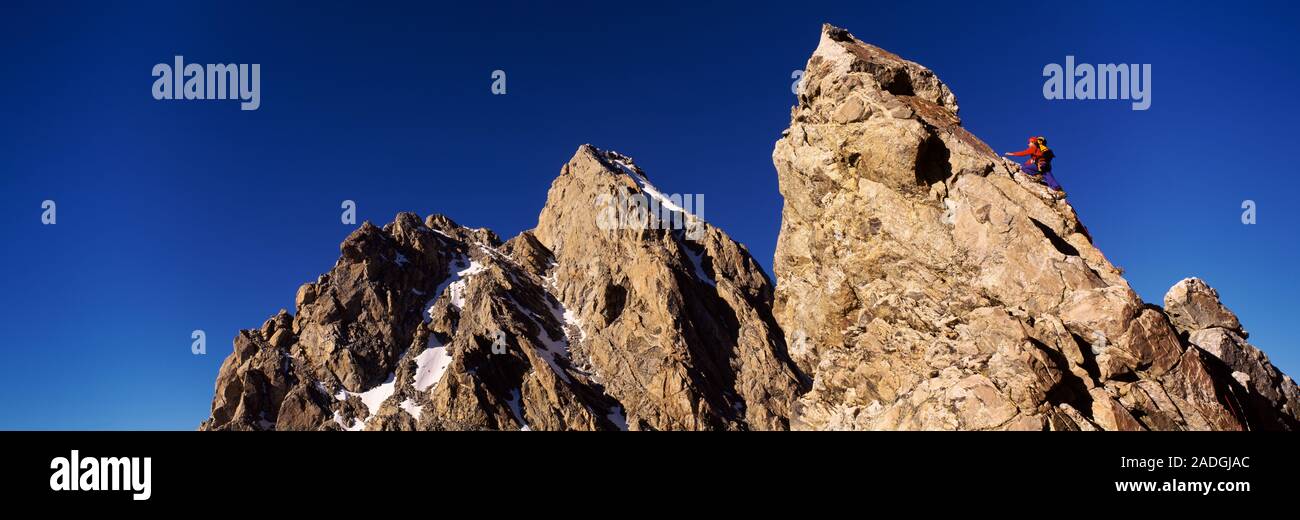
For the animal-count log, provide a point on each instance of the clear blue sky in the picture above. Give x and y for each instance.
(175, 216)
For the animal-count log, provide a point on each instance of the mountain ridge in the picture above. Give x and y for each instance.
(922, 282)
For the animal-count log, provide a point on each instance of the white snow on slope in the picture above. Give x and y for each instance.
(372, 398)
(562, 313)
(356, 426)
(697, 260)
(574, 321)
(456, 291)
(649, 189)
(665, 202)
(551, 349)
(431, 364)
(412, 408)
(460, 269)
(454, 266)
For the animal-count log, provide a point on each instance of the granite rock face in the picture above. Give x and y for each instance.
(924, 282)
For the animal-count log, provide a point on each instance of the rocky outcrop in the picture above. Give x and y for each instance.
(571, 326)
(680, 320)
(1192, 305)
(1205, 323)
(925, 283)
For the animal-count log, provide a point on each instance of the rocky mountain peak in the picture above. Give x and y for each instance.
(926, 283)
(923, 282)
(573, 325)
(840, 53)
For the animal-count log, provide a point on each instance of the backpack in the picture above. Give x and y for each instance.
(1045, 160)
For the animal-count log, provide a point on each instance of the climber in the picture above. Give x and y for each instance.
(1039, 164)
(1031, 164)
(1045, 156)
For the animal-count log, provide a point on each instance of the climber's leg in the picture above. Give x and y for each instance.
(1030, 169)
(1051, 182)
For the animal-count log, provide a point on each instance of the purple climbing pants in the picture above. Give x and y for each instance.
(1032, 169)
(1051, 181)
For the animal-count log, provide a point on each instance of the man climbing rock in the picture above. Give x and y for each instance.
(1031, 164)
(1039, 163)
(1045, 156)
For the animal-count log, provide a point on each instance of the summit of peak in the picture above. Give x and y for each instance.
(609, 160)
(843, 63)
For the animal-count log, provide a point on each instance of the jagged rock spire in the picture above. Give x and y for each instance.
(924, 283)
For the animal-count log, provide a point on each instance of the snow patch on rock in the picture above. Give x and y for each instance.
(373, 399)
(431, 364)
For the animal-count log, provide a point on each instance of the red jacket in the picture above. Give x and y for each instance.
(1034, 152)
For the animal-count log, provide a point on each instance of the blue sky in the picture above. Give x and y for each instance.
(176, 216)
